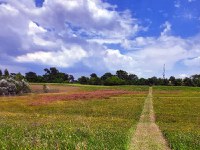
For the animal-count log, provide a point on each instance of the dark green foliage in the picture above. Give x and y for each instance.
(1, 73)
(125, 78)
(178, 82)
(153, 81)
(95, 81)
(188, 82)
(83, 80)
(40, 79)
(31, 76)
(6, 73)
(165, 82)
(175, 82)
(172, 80)
(51, 75)
(54, 76)
(114, 80)
(71, 78)
(122, 74)
(93, 75)
(106, 76)
(195, 80)
(142, 81)
(132, 79)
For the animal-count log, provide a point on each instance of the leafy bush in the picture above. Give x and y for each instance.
(10, 86)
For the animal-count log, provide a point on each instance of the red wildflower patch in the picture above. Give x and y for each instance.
(99, 94)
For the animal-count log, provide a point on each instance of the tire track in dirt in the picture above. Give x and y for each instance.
(148, 135)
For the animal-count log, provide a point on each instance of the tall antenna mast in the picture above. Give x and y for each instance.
(164, 71)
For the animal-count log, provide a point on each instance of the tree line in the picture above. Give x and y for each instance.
(51, 75)
(121, 77)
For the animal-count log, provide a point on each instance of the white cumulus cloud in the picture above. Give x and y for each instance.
(63, 58)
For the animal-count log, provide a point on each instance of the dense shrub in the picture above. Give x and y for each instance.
(10, 86)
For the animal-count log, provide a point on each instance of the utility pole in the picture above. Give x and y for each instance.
(164, 72)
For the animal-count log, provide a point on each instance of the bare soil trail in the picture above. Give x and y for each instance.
(148, 135)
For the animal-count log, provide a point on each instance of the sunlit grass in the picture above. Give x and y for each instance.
(89, 124)
(178, 115)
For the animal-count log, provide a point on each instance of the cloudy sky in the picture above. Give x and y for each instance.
(85, 36)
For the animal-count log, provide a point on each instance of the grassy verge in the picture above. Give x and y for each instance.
(178, 116)
(89, 124)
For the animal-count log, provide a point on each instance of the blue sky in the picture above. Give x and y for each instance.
(85, 36)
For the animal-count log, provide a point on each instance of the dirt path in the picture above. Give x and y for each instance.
(147, 135)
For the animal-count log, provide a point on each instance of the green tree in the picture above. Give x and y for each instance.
(6, 73)
(83, 80)
(71, 78)
(132, 79)
(178, 82)
(47, 71)
(53, 75)
(165, 82)
(93, 75)
(46, 76)
(53, 71)
(1, 73)
(122, 74)
(187, 82)
(153, 81)
(106, 76)
(160, 81)
(172, 80)
(114, 80)
(142, 81)
(40, 79)
(31, 77)
(95, 81)
(195, 80)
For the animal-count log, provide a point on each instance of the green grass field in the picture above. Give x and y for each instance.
(178, 116)
(74, 124)
(97, 122)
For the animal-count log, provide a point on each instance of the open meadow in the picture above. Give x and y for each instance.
(97, 117)
(178, 116)
(78, 117)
